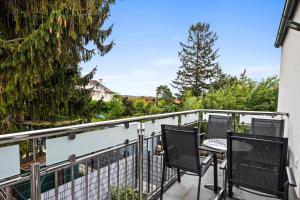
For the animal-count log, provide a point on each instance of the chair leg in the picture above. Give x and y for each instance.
(230, 193)
(178, 175)
(286, 191)
(162, 181)
(199, 188)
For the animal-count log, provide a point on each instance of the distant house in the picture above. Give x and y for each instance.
(100, 91)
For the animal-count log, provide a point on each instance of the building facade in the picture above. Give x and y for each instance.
(288, 39)
(100, 91)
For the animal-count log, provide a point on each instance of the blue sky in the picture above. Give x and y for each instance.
(147, 35)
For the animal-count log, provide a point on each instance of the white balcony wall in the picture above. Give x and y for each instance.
(59, 149)
(155, 126)
(9, 161)
(247, 119)
(289, 93)
(206, 115)
(189, 118)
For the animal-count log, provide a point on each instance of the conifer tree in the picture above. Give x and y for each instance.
(199, 68)
(42, 43)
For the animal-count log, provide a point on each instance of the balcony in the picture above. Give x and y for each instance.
(117, 159)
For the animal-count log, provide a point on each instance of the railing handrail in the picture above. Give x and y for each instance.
(20, 136)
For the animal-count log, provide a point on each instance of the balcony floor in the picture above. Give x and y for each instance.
(187, 189)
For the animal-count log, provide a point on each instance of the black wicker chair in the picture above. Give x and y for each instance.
(217, 126)
(180, 145)
(216, 129)
(258, 164)
(268, 127)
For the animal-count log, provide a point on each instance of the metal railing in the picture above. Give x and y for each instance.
(125, 170)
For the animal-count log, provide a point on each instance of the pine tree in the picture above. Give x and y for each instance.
(42, 43)
(199, 68)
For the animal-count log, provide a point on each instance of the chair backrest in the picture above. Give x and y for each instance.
(218, 126)
(257, 162)
(268, 127)
(181, 149)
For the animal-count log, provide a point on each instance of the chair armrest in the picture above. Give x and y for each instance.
(290, 177)
(223, 164)
(202, 135)
(205, 148)
(207, 159)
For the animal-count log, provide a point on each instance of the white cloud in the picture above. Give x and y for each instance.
(115, 77)
(254, 71)
(257, 71)
(166, 61)
(153, 83)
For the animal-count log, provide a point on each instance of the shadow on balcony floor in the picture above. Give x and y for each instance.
(187, 189)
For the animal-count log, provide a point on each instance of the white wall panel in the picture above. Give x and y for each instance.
(189, 118)
(247, 118)
(9, 161)
(206, 115)
(59, 149)
(155, 127)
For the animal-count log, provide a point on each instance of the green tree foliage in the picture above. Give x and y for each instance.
(234, 96)
(128, 103)
(163, 106)
(199, 68)
(41, 44)
(245, 94)
(164, 92)
(237, 94)
(190, 102)
(142, 107)
(115, 108)
(224, 80)
(264, 97)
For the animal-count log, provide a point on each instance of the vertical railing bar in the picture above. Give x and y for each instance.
(234, 121)
(199, 127)
(126, 173)
(98, 178)
(140, 162)
(72, 181)
(152, 149)
(86, 181)
(136, 165)
(161, 165)
(118, 174)
(108, 178)
(135, 169)
(148, 167)
(56, 184)
(149, 171)
(62, 195)
(156, 165)
(34, 148)
(133, 165)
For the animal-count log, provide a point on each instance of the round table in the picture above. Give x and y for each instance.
(221, 144)
(216, 143)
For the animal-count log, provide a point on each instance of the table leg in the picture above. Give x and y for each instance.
(215, 186)
(215, 173)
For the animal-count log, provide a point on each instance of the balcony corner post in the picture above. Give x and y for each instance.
(35, 181)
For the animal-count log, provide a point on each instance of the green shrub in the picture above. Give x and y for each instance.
(131, 193)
